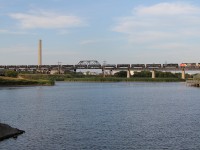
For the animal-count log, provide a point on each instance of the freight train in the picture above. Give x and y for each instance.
(106, 66)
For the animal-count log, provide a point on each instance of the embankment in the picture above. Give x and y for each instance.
(123, 79)
(71, 78)
(8, 81)
(7, 131)
(195, 83)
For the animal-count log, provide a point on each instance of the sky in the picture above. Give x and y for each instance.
(111, 31)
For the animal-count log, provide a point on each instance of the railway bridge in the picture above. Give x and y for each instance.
(93, 64)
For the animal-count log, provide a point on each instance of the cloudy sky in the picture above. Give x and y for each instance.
(115, 31)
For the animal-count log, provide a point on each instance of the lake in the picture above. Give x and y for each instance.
(102, 116)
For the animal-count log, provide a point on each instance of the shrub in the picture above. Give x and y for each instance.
(197, 77)
(11, 73)
(121, 74)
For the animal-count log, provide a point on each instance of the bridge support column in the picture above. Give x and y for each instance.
(111, 72)
(153, 74)
(103, 73)
(183, 74)
(128, 73)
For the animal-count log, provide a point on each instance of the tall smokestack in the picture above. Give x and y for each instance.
(40, 53)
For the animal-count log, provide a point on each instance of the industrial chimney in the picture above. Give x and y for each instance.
(40, 53)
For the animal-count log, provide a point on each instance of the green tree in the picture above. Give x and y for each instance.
(121, 74)
(11, 73)
(142, 74)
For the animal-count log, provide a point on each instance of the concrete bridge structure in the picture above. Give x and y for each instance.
(93, 64)
(152, 70)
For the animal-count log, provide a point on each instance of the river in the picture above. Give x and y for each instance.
(102, 116)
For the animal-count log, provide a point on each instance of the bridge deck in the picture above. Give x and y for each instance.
(98, 66)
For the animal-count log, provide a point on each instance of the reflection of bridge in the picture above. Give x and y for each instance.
(93, 64)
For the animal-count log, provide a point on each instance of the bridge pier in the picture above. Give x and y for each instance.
(111, 72)
(103, 73)
(183, 74)
(128, 73)
(153, 74)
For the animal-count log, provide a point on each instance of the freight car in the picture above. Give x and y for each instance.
(170, 66)
(153, 66)
(138, 66)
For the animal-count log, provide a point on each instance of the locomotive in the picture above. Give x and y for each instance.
(188, 65)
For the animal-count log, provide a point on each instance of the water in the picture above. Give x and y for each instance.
(110, 116)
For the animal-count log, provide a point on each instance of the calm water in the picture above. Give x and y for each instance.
(98, 116)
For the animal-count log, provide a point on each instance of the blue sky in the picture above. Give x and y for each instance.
(115, 31)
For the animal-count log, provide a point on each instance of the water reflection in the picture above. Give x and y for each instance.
(103, 116)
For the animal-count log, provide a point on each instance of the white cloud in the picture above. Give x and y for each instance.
(164, 22)
(3, 31)
(167, 9)
(43, 19)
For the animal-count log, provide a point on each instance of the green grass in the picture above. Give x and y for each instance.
(44, 77)
(71, 78)
(7, 81)
(110, 79)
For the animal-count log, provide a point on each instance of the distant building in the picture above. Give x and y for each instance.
(90, 73)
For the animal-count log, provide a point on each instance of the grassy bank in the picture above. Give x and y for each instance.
(71, 78)
(195, 81)
(123, 79)
(45, 77)
(8, 81)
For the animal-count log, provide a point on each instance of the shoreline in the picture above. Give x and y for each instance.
(122, 80)
(7, 132)
(69, 78)
(194, 83)
(8, 81)
(49, 80)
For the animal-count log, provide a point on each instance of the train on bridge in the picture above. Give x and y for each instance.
(99, 66)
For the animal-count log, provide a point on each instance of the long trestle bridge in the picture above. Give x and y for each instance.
(93, 64)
